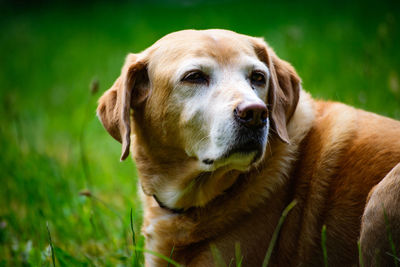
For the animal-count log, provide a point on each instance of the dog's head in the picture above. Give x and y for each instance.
(198, 105)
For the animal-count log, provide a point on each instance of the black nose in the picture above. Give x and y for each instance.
(253, 115)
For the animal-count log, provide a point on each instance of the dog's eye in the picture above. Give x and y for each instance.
(197, 77)
(257, 78)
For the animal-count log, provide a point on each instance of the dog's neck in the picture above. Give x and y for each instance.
(229, 178)
(163, 206)
(178, 185)
(202, 189)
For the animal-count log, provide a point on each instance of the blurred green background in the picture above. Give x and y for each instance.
(59, 166)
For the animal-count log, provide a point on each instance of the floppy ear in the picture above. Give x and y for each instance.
(114, 106)
(283, 91)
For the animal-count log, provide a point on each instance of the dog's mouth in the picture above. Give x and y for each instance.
(247, 149)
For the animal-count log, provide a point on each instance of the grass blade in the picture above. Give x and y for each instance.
(360, 259)
(390, 237)
(170, 255)
(276, 232)
(394, 257)
(136, 263)
(218, 259)
(161, 256)
(323, 244)
(238, 255)
(94, 88)
(53, 257)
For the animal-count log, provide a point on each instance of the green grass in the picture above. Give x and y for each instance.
(58, 165)
(323, 246)
(275, 235)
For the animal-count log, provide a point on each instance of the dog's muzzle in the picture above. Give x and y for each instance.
(251, 120)
(250, 132)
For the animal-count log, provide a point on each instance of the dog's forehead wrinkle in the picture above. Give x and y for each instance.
(205, 64)
(220, 46)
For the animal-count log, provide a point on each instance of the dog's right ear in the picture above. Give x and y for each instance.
(283, 94)
(129, 90)
(283, 91)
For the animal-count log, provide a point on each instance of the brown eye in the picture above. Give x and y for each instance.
(197, 77)
(257, 78)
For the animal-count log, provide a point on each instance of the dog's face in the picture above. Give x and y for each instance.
(216, 96)
(204, 104)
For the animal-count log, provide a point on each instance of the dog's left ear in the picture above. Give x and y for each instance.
(128, 91)
(283, 91)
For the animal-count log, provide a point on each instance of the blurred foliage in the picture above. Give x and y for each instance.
(59, 166)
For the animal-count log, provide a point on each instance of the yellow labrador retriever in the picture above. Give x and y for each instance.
(224, 138)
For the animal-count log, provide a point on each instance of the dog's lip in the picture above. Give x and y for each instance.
(249, 147)
(245, 149)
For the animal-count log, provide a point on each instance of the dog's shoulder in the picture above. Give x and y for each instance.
(339, 128)
(344, 154)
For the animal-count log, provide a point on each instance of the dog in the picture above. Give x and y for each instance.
(224, 138)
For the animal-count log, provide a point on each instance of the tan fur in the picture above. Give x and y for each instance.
(327, 156)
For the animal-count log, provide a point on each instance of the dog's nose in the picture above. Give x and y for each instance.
(253, 115)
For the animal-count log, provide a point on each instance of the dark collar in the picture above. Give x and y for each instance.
(182, 210)
(177, 211)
